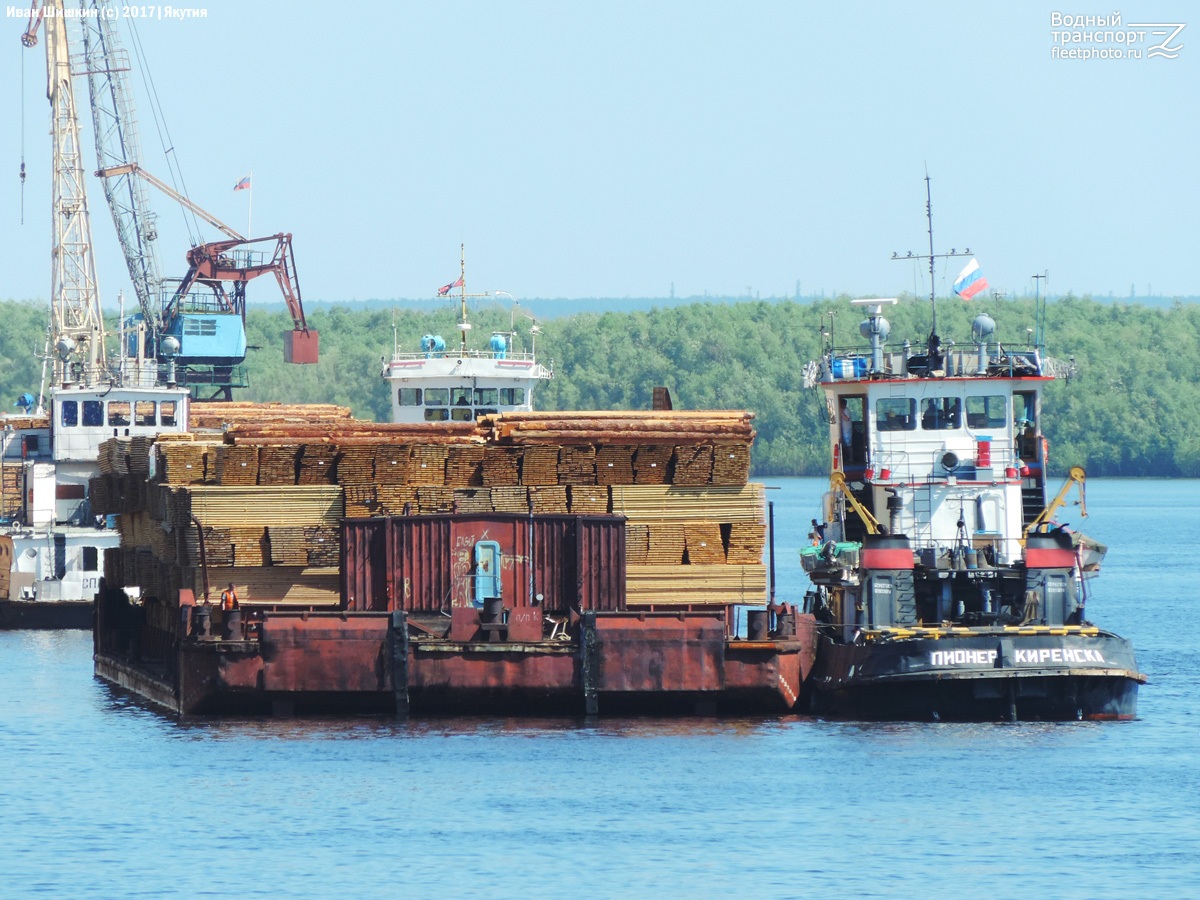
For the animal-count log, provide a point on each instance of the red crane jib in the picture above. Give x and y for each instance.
(215, 262)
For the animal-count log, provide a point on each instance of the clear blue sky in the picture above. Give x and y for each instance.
(612, 149)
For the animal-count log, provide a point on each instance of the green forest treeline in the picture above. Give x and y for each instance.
(1132, 409)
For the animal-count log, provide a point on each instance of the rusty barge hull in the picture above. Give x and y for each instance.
(676, 662)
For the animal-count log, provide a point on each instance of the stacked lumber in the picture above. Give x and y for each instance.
(395, 500)
(549, 499)
(620, 427)
(501, 465)
(746, 543)
(702, 543)
(428, 464)
(235, 506)
(362, 500)
(652, 462)
(577, 464)
(637, 545)
(614, 464)
(731, 464)
(25, 423)
(510, 499)
(393, 463)
(217, 416)
(287, 545)
(181, 462)
(692, 464)
(356, 464)
(318, 464)
(278, 463)
(236, 465)
(472, 500)
(140, 448)
(539, 465)
(666, 544)
(464, 465)
(589, 500)
(695, 585)
(10, 489)
(433, 500)
(113, 456)
(323, 544)
(270, 489)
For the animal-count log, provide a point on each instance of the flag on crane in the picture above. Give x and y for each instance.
(970, 281)
(243, 185)
(447, 288)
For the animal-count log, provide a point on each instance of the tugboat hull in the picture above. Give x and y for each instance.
(1000, 675)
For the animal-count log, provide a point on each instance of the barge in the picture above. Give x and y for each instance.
(575, 563)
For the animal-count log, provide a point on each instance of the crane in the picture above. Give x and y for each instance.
(76, 320)
(206, 323)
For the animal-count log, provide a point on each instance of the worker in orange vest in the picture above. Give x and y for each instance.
(229, 598)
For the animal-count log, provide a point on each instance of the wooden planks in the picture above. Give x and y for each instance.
(696, 585)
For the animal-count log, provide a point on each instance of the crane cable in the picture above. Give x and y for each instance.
(190, 221)
(22, 135)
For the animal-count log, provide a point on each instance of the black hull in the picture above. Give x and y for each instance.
(45, 614)
(985, 676)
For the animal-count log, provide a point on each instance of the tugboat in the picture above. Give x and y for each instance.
(944, 585)
(460, 384)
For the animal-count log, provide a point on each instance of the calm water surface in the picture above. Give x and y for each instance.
(100, 797)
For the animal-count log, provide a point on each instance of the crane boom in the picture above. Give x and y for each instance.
(76, 320)
(135, 169)
(115, 125)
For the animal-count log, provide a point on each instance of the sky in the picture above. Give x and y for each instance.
(644, 149)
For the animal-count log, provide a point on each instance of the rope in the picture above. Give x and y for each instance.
(175, 172)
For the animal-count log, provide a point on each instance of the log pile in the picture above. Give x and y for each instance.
(266, 494)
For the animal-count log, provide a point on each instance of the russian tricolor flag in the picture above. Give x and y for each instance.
(446, 288)
(243, 184)
(970, 281)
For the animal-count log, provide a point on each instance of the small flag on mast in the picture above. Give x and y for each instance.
(446, 288)
(970, 281)
(243, 185)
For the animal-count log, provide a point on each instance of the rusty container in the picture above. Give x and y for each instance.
(426, 564)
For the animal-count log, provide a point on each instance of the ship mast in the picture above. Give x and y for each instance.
(464, 325)
(934, 340)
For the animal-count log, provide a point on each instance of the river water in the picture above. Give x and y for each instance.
(101, 797)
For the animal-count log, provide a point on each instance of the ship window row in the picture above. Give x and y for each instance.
(117, 413)
(461, 396)
(940, 413)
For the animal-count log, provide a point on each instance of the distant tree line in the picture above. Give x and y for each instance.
(1132, 408)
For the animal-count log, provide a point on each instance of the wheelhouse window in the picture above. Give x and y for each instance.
(409, 396)
(70, 413)
(986, 412)
(896, 414)
(93, 413)
(485, 396)
(462, 414)
(437, 414)
(118, 412)
(941, 413)
(91, 559)
(166, 412)
(460, 396)
(437, 397)
(143, 413)
(512, 396)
